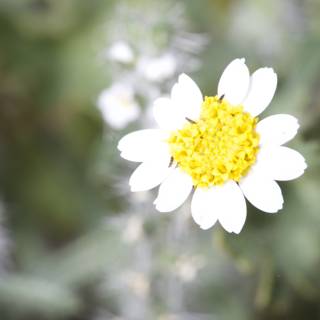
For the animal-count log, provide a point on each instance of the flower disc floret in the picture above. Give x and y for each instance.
(221, 145)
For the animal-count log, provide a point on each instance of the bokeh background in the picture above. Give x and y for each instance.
(77, 75)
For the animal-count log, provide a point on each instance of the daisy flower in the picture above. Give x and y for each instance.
(215, 148)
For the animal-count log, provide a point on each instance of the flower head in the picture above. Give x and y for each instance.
(217, 147)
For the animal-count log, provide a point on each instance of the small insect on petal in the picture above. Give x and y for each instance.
(171, 162)
(191, 121)
(221, 98)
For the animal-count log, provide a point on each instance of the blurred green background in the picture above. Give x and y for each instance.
(74, 243)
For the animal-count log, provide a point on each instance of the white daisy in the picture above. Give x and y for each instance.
(216, 147)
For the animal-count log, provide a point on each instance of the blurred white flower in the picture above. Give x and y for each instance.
(137, 282)
(120, 51)
(157, 69)
(118, 105)
(133, 231)
(216, 146)
(147, 52)
(187, 267)
(161, 48)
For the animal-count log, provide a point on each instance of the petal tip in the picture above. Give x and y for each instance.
(241, 60)
(305, 166)
(122, 155)
(238, 229)
(204, 227)
(162, 209)
(120, 144)
(270, 71)
(279, 208)
(275, 210)
(183, 76)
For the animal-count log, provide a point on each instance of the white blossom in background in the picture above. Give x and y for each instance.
(158, 69)
(120, 51)
(118, 105)
(146, 52)
(133, 231)
(187, 267)
(137, 282)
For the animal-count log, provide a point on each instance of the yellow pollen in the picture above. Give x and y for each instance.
(221, 145)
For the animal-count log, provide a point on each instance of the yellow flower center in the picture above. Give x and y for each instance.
(221, 145)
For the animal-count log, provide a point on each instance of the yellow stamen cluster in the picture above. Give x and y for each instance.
(221, 145)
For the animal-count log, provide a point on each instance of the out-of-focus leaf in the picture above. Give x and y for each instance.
(85, 260)
(22, 295)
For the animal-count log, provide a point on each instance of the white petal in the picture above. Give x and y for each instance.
(150, 173)
(232, 207)
(173, 191)
(281, 163)
(277, 129)
(234, 82)
(225, 202)
(262, 192)
(202, 208)
(141, 145)
(187, 97)
(263, 85)
(167, 115)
